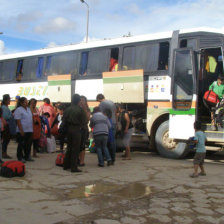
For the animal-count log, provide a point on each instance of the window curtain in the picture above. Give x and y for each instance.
(40, 66)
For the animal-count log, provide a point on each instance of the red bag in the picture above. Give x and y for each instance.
(211, 97)
(60, 159)
(43, 141)
(13, 169)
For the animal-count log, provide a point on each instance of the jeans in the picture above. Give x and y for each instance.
(101, 146)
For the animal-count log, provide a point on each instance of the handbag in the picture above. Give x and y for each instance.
(51, 144)
(211, 97)
(42, 141)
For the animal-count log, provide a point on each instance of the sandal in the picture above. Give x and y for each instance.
(193, 175)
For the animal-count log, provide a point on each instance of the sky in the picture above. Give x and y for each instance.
(35, 24)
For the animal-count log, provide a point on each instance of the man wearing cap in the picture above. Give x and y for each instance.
(7, 115)
(218, 88)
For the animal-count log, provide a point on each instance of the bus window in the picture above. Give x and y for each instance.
(141, 57)
(40, 66)
(64, 63)
(83, 63)
(146, 57)
(29, 68)
(183, 43)
(98, 62)
(7, 71)
(163, 56)
(114, 59)
(128, 58)
(19, 70)
(48, 66)
(182, 81)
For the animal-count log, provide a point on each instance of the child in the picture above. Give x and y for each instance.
(199, 157)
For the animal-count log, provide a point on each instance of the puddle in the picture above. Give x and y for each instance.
(92, 189)
(134, 190)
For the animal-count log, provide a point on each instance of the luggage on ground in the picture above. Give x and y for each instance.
(12, 169)
(60, 159)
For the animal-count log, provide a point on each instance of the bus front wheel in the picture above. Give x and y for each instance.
(166, 146)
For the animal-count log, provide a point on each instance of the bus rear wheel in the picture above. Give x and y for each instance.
(166, 146)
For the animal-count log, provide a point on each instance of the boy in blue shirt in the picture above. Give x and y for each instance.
(199, 157)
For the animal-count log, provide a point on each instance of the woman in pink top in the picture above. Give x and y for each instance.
(47, 107)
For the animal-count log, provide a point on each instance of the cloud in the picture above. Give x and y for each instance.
(51, 44)
(55, 25)
(2, 47)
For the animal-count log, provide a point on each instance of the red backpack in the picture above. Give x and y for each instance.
(60, 159)
(12, 169)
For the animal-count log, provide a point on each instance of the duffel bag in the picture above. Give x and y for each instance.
(60, 159)
(12, 169)
(211, 97)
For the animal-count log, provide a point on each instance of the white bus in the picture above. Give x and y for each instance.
(161, 78)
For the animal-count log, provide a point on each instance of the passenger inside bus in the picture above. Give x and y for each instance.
(113, 65)
(218, 88)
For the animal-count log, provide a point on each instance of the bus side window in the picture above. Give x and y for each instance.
(83, 63)
(128, 62)
(114, 60)
(183, 43)
(19, 70)
(163, 56)
(40, 66)
(48, 66)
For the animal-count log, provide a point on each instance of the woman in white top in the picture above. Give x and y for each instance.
(24, 129)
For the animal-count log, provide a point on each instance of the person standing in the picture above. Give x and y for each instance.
(47, 107)
(74, 118)
(36, 125)
(200, 154)
(7, 115)
(84, 130)
(24, 129)
(108, 104)
(126, 130)
(101, 125)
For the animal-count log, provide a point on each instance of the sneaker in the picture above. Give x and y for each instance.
(202, 174)
(100, 165)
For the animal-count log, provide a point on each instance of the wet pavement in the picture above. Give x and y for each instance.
(146, 189)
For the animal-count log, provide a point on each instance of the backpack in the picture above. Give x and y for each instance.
(12, 169)
(60, 159)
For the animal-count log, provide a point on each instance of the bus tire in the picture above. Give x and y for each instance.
(166, 147)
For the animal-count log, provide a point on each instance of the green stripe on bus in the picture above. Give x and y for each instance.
(183, 112)
(59, 83)
(123, 79)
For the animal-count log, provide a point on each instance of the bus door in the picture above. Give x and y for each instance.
(183, 91)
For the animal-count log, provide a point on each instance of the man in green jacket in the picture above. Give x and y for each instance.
(218, 88)
(74, 118)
